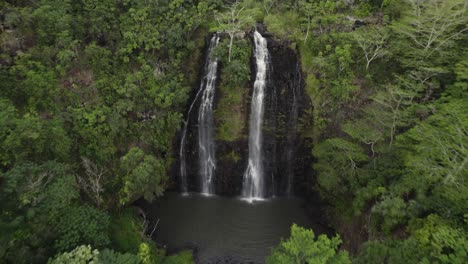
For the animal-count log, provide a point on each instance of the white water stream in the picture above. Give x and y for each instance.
(254, 185)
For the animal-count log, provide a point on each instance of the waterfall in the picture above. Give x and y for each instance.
(253, 184)
(205, 119)
(206, 142)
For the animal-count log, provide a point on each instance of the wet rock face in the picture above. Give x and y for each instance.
(231, 166)
(191, 143)
(231, 160)
(285, 104)
(285, 156)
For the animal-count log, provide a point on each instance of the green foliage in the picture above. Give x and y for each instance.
(53, 21)
(82, 224)
(149, 254)
(372, 41)
(39, 84)
(85, 254)
(183, 257)
(92, 126)
(30, 137)
(283, 25)
(40, 202)
(88, 79)
(390, 213)
(107, 256)
(234, 78)
(125, 231)
(433, 240)
(304, 247)
(339, 163)
(49, 186)
(461, 71)
(80, 255)
(386, 119)
(328, 60)
(37, 140)
(126, 235)
(108, 80)
(237, 71)
(363, 10)
(435, 157)
(143, 175)
(431, 27)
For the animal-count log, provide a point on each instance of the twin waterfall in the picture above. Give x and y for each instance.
(254, 185)
(272, 135)
(206, 144)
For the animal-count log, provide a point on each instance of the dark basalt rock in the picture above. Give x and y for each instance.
(230, 170)
(285, 153)
(261, 28)
(284, 105)
(358, 23)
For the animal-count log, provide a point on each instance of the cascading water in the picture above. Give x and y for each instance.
(206, 142)
(253, 184)
(205, 119)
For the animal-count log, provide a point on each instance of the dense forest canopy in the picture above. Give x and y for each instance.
(93, 94)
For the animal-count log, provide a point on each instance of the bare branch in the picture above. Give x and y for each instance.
(92, 183)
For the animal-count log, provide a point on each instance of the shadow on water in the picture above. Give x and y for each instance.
(227, 230)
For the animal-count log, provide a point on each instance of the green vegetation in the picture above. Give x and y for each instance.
(125, 231)
(183, 257)
(304, 247)
(85, 254)
(234, 77)
(92, 95)
(388, 124)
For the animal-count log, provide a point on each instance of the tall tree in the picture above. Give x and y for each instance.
(372, 42)
(232, 21)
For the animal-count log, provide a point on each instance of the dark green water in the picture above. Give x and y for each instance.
(226, 230)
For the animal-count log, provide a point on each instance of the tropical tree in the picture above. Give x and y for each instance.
(144, 175)
(232, 21)
(373, 42)
(304, 247)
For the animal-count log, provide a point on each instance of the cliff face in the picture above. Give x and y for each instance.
(284, 105)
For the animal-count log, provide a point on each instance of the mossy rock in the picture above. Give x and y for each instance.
(230, 114)
(233, 90)
(232, 156)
